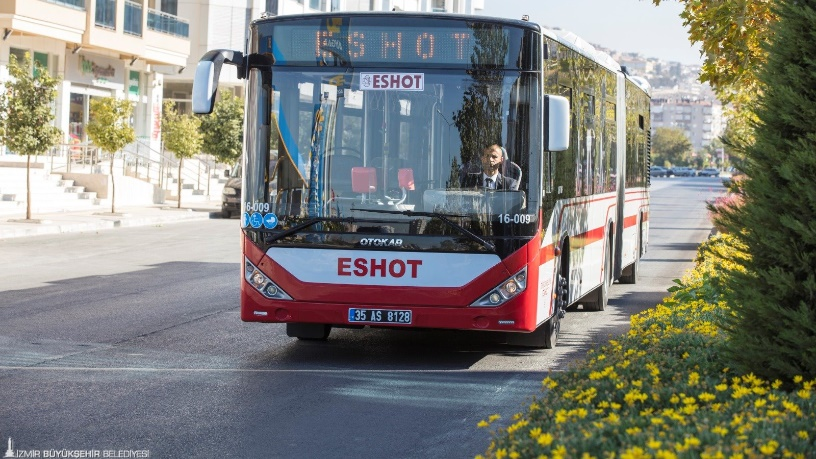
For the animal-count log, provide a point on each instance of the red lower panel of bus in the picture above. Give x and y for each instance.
(397, 306)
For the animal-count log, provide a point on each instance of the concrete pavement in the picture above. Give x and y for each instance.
(14, 225)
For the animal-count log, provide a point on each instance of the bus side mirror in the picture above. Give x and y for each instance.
(205, 82)
(558, 122)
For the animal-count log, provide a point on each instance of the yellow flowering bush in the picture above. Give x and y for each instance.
(662, 390)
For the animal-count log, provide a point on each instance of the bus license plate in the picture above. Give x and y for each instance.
(379, 316)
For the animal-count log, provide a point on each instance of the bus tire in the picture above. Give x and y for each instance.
(546, 335)
(312, 332)
(600, 296)
(629, 275)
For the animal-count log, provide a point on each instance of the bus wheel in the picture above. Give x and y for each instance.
(554, 324)
(630, 273)
(601, 294)
(315, 332)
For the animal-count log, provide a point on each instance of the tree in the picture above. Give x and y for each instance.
(223, 129)
(26, 114)
(731, 34)
(772, 329)
(181, 135)
(110, 129)
(670, 146)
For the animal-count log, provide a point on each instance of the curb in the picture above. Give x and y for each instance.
(98, 222)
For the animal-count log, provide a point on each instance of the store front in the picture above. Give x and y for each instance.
(90, 76)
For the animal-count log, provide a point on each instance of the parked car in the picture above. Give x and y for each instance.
(709, 172)
(682, 171)
(231, 195)
(658, 171)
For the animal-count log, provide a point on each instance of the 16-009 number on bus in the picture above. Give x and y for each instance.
(516, 218)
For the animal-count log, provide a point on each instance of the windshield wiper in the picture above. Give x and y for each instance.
(443, 217)
(295, 229)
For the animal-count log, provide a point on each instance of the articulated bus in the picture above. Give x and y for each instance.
(367, 136)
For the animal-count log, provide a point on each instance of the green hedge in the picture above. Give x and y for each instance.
(663, 390)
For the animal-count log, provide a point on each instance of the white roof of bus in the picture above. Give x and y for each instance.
(577, 43)
(583, 47)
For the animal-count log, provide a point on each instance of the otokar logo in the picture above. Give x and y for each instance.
(380, 242)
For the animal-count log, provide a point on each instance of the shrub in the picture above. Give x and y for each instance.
(664, 390)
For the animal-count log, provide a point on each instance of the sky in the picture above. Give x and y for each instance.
(622, 25)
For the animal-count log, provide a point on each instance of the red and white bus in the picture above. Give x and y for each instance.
(362, 197)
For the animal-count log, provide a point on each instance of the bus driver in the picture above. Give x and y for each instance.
(491, 176)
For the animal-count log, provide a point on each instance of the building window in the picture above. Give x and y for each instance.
(170, 7)
(106, 14)
(40, 58)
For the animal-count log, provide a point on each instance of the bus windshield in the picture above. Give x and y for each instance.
(343, 148)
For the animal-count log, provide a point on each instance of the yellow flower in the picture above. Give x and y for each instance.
(693, 378)
(654, 444)
(482, 423)
(549, 383)
(803, 393)
(769, 448)
(665, 455)
(501, 453)
(802, 434)
(719, 430)
(514, 455)
(535, 433)
(797, 379)
(545, 439)
(493, 417)
(706, 397)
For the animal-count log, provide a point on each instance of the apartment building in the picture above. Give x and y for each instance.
(700, 119)
(99, 48)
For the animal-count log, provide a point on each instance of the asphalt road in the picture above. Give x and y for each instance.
(128, 342)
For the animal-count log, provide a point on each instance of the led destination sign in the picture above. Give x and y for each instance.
(368, 41)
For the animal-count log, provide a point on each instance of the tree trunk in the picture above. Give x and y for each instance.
(113, 187)
(28, 187)
(181, 160)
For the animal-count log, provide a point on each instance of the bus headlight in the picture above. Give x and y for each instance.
(263, 284)
(504, 291)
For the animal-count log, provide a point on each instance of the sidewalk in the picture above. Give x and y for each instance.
(14, 225)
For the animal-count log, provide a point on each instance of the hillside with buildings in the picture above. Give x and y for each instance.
(679, 100)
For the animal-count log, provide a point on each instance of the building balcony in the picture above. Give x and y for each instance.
(122, 26)
(167, 23)
(58, 19)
